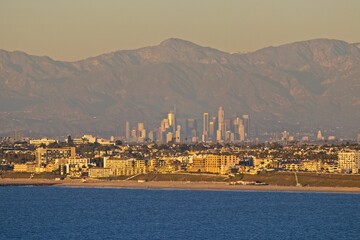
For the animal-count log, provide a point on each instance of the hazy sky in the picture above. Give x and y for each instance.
(76, 29)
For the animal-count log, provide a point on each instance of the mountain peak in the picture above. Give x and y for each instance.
(176, 42)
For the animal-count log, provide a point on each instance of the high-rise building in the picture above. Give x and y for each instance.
(133, 137)
(246, 119)
(319, 136)
(172, 122)
(227, 125)
(169, 137)
(205, 132)
(178, 134)
(190, 129)
(241, 130)
(127, 131)
(141, 132)
(221, 123)
(151, 136)
(164, 124)
(206, 123)
(218, 136)
(211, 129)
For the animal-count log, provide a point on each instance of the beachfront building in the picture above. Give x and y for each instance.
(211, 163)
(97, 172)
(128, 166)
(27, 167)
(46, 155)
(349, 161)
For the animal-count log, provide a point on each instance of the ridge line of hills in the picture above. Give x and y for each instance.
(298, 87)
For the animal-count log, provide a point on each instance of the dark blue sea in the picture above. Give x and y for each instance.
(100, 213)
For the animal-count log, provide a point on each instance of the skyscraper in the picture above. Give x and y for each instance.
(206, 123)
(171, 118)
(190, 128)
(319, 136)
(221, 123)
(141, 132)
(205, 132)
(127, 131)
(164, 124)
(178, 134)
(241, 130)
(246, 119)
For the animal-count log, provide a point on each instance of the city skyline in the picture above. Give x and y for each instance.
(113, 113)
(297, 87)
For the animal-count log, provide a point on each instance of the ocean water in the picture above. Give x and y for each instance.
(101, 213)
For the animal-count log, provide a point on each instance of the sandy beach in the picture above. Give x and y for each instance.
(172, 185)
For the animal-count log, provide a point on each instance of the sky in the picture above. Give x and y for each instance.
(76, 29)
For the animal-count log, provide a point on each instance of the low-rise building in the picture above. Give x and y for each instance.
(129, 166)
(349, 161)
(45, 141)
(311, 166)
(97, 172)
(27, 167)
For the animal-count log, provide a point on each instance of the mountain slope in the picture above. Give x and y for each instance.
(304, 85)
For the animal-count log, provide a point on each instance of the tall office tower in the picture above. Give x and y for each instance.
(218, 136)
(160, 135)
(151, 136)
(205, 132)
(169, 137)
(246, 120)
(133, 137)
(190, 128)
(241, 130)
(227, 125)
(211, 130)
(141, 132)
(232, 137)
(216, 126)
(206, 123)
(236, 122)
(178, 134)
(319, 136)
(221, 122)
(227, 136)
(140, 126)
(171, 119)
(127, 131)
(164, 124)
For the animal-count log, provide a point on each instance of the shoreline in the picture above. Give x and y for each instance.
(173, 185)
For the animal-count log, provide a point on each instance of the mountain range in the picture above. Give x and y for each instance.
(303, 86)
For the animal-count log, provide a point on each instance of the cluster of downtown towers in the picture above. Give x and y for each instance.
(213, 129)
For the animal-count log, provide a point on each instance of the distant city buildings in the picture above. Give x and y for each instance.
(86, 157)
(212, 129)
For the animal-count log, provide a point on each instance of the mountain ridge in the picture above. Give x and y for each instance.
(301, 84)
